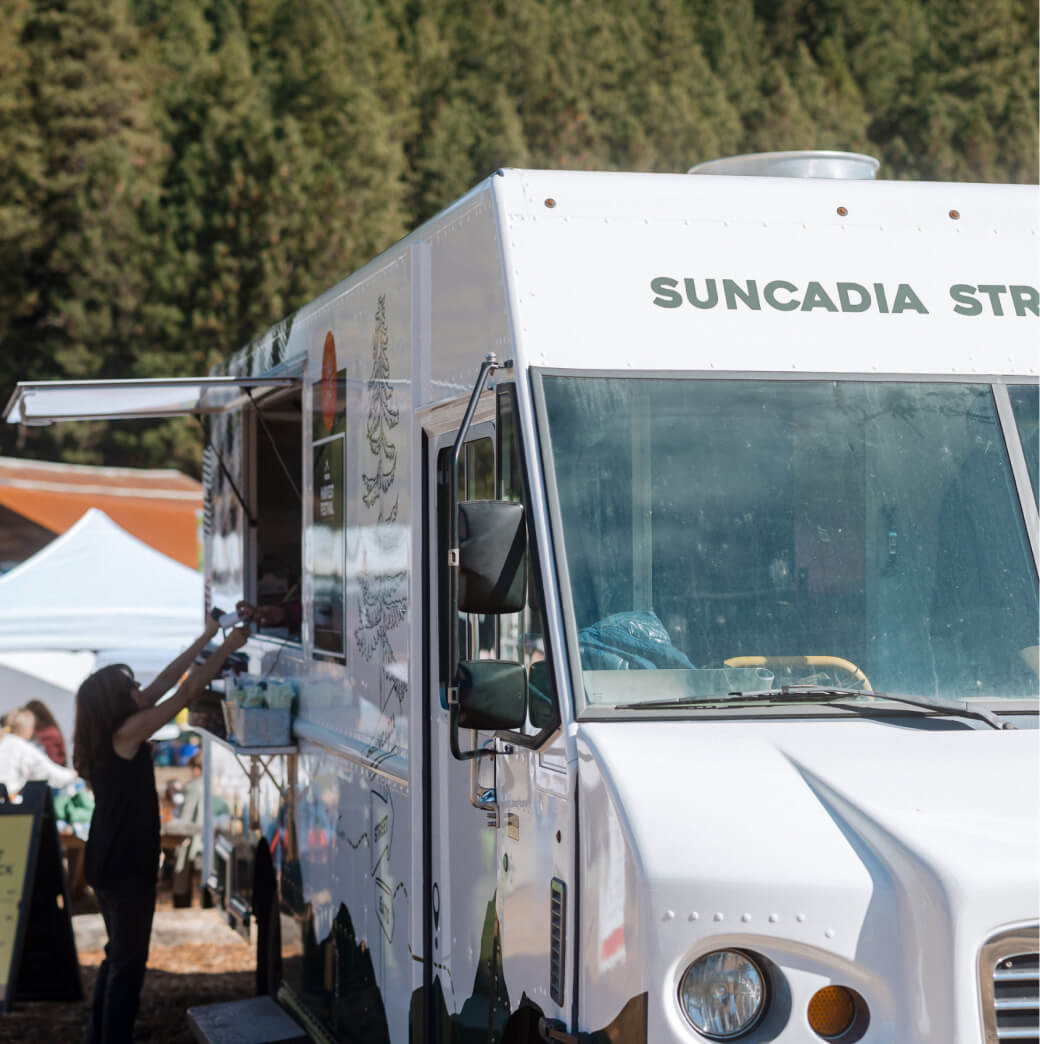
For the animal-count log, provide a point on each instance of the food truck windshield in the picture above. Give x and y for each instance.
(746, 534)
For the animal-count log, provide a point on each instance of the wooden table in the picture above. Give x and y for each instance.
(174, 834)
(72, 848)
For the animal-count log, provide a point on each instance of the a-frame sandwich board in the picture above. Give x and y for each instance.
(38, 959)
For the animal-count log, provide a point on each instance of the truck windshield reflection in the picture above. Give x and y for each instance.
(742, 534)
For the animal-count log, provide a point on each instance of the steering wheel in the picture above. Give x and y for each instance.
(802, 661)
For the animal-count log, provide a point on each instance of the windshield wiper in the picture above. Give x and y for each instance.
(825, 694)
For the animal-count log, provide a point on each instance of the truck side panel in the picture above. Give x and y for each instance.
(407, 331)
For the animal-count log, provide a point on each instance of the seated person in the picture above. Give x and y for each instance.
(20, 722)
(21, 761)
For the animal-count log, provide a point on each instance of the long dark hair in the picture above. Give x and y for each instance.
(104, 701)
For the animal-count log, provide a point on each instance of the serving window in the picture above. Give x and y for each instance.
(274, 573)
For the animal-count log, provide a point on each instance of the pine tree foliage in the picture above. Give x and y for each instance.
(21, 148)
(91, 166)
(176, 175)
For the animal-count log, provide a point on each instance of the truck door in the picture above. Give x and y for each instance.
(500, 847)
(463, 999)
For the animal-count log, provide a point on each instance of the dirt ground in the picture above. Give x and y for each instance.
(194, 959)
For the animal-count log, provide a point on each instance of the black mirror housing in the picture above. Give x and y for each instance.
(492, 557)
(492, 695)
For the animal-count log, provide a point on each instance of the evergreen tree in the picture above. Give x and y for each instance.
(94, 166)
(331, 69)
(1020, 143)
(238, 197)
(171, 186)
(978, 56)
(698, 121)
(21, 223)
(780, 122)
(468, 124)
(830, 97)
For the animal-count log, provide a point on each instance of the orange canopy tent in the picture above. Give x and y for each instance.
(161, 507)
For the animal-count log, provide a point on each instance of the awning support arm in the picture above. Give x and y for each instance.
(274, 445)
(227, 474)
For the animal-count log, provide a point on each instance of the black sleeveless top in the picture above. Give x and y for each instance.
(124, 831)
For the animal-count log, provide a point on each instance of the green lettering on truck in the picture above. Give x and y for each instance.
(667, 295)
(993, 291)
(966, 304)
(709, 285)
(816, 297)
(845, 296)
(1026, 299)
(749, 295)
(771, 299)
(906, 298)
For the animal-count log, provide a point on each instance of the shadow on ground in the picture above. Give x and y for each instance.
(161, 1020)
(194, 959)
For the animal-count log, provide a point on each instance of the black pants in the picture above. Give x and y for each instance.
(127, 911)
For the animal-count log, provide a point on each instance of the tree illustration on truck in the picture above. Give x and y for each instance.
(383, 595)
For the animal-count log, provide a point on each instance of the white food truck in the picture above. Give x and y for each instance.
(656, 564)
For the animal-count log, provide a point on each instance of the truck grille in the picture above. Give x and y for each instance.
(1016, 997)
(1009, 974)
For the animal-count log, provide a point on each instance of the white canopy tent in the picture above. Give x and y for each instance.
(97, 587)
(94, 595)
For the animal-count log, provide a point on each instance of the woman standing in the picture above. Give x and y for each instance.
(114, 719)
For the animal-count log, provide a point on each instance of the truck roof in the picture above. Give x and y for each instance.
(618, 271)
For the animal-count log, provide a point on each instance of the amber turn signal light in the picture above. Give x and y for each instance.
(831, 1011)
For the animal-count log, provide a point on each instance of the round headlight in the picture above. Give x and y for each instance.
(723, 994)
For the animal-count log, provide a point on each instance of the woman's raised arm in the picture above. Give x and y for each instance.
(139, 726)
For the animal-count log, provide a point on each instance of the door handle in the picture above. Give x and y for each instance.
(483, 797)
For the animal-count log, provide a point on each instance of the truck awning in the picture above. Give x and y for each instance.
(44, 402)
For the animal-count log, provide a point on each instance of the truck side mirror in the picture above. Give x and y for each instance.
(492, 557)
(492, 694)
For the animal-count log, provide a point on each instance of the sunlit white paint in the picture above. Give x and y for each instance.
(852, 852)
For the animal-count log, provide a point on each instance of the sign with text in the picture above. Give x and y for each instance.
(38, 959)
(16, 833)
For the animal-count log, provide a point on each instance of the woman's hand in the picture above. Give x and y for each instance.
(210, 630)
(263, 615)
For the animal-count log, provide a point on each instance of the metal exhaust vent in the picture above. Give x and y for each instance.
(557, 938)
(812, 163)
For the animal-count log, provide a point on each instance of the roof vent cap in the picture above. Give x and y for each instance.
(811, 163)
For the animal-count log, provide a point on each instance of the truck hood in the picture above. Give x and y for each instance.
(890, 853)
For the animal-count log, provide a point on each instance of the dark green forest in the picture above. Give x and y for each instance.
(176, 175)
